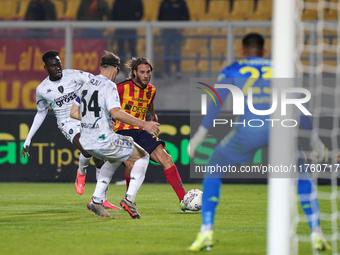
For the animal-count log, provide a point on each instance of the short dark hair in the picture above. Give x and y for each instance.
(109, 59)
(135, 62)
(253, 40)
(49, 54)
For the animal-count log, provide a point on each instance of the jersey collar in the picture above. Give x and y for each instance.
(138, 85)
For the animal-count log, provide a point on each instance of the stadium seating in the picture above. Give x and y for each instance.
(22, 8)
(309, 13)
(71, 9)
(60, 6)
(8, 9)
(218, 10)
(263, 10)
(329, 47)
(261, 30)
(151, 9)
(331, 13)
(216, 65)
(196, 9)
(242, 9)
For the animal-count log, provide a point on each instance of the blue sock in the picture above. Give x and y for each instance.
(210, 200)
(309, 201)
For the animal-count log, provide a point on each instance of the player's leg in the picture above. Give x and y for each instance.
(84, 160)
(141, 161)
(236, 148)
(160, 156)
(107, 205)
(211, 188)
(96, 204)
(128, 164)
(310, 205)
(127, 172)
(71, 130)
(155, 147)
(114, 154)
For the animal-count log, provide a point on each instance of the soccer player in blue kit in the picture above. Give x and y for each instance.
(240, 144)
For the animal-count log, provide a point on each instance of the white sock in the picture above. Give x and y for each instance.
(316, 231)
(83, 164)
(130, 198)
(206, 228)
(97, 173)
(104, 179)
(137, 177)
(97, 176)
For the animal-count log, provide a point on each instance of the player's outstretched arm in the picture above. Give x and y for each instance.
(38, 120)
(75, 111)
(149, 126)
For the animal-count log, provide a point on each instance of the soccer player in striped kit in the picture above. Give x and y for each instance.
(136, 98)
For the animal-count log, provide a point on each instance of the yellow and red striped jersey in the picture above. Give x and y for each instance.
(134, 100)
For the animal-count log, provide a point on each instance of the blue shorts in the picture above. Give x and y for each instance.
(143, 138)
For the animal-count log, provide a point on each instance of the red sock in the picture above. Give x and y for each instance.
(172, 176)
(127, 179)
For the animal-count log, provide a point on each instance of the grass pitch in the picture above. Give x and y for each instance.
(51, 218)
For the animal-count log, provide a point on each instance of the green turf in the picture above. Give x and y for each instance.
(51, 218)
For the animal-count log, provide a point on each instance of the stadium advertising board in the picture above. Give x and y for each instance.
(54, 159)
(22, 69)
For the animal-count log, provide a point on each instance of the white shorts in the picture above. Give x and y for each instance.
(70, 129)
(119, 150)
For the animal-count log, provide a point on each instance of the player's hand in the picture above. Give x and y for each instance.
(24, 151)
(196, 140)
(152, 127)
(154, 118)
(318, 148)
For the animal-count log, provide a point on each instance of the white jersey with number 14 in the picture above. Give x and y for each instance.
(97, 97)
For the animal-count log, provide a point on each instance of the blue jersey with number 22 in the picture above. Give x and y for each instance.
(249, 73)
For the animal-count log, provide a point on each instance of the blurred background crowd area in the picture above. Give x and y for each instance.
(200, 10)
(177, 54)
(198, 51)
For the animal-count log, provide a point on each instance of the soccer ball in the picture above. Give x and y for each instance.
(193, 200)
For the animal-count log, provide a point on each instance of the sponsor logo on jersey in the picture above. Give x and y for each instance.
(89, 125)
(128, 107)
(65, 99)
(61, 89)
(48, 91)
(70, 131)
(139, 109)
(140, 100)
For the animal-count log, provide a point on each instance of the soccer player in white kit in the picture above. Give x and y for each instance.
(58, 91)
(98, 102)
